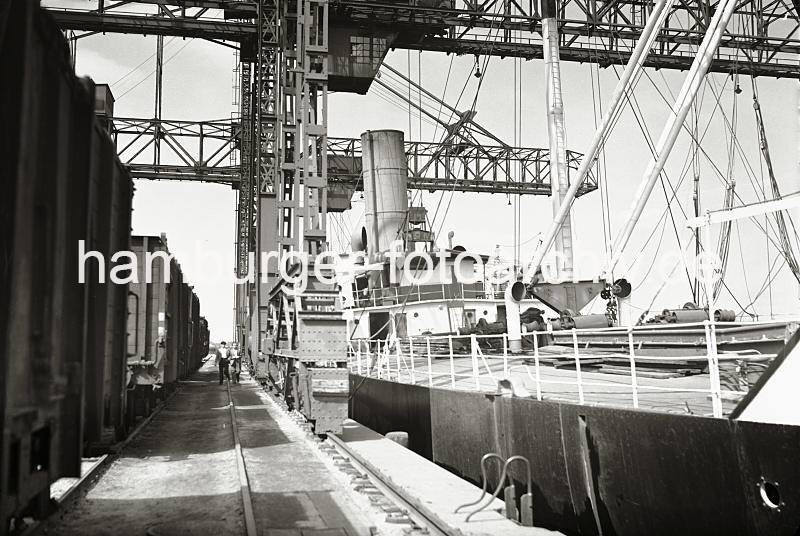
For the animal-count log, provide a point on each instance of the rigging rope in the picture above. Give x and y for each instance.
(724, 239)
(166, 61)
(783, 233)
(664, 178)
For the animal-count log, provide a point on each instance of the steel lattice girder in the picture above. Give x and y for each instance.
(246, 179)
(763, 37)
(207, 151)
(151, 25)
(460, 167)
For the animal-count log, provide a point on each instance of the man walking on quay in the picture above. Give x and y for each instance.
(221, 360)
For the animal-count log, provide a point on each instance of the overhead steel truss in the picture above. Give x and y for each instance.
(763, 38)
(205, 151)
(209, 151)
(133, 23)
(459, 167)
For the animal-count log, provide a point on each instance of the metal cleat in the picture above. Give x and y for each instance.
(510, 496)
(526, 510)
(525, 515)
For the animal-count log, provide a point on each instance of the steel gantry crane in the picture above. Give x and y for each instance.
(298, 340)
(281, 134)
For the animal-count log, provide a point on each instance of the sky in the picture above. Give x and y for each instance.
(199, 219)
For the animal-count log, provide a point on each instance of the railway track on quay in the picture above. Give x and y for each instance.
(400, 516)
(228, 459)
(418, 516)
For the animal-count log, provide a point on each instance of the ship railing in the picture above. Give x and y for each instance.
(430, 292)
(480, 362)
(689, 327)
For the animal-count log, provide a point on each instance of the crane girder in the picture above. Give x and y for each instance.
(209, 151)
(764, 37)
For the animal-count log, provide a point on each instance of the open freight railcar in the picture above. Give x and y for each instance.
(185, 331)
(198, 337)
(109, 232)
(61, 370)
(195, 357)
(148, 304)
(166, 339)
(204, 335)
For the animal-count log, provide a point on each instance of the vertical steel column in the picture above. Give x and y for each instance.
(708, 268)
(158, 95)
(284, 184)
(311, 86)
(559, 172)
(246, 164)
(634, 66)
(695, 148)
(267, 108)
(245, 199)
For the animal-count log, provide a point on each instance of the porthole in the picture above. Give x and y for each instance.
(770, 494)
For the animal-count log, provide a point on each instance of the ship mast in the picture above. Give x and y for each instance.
(654, 24)
(698, 247)
(559, 179)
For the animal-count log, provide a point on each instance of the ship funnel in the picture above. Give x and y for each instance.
(385, 178)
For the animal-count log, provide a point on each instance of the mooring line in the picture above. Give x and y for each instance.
(244, 483)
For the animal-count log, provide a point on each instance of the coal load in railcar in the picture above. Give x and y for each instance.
(61, 362)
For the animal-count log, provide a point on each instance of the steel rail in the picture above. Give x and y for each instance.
(416, 512)
(244, 482)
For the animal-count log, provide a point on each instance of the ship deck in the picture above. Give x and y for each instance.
(664, 393)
